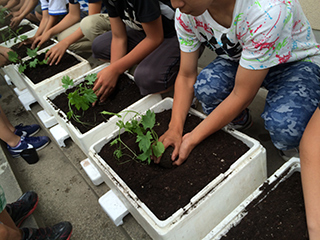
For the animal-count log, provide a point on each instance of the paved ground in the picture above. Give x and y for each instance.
(66, 192)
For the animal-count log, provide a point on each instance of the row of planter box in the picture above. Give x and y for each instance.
(211, 208)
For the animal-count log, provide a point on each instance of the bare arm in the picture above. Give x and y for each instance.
(27, 7)
(183, 95)
(310, 165)
(56, 52)
(247, 84)
(120, 60)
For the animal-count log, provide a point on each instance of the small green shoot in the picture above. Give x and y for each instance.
(82, 97)
(146, 137)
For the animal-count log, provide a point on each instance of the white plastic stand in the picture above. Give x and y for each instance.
(26, 98)
(20, 92)
(59, 134)
(91, 171)
(113, 207)
(46, 119)
(8, 80)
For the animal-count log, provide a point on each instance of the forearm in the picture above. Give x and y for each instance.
(27, 8)
(136, 55)
(77, 35)
(52, 20)
(183, 96)
(65, 23)
(11, 3)
(310, 165)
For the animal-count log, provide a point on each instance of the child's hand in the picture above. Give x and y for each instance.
(170, 138)
(105, 83)
(56, 53)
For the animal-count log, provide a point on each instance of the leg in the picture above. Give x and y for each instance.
(82, 44)
(8, 229)
(214, 83)
(310, 165)
(158, 71)
(293, 95)
(94, 25)
(101, 45)
(6, 131)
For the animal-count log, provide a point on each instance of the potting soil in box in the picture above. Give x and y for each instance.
(6, 33)
(184, 202)
(274, 211)
(22, 50)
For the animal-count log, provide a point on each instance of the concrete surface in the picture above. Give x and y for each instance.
(66, 193)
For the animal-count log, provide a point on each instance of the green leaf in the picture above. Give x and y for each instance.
(33, 64)
(90, 95)
(91, 78)
(148, 120)
(32, 52)
(115, 141)
(145, 156)
(69, 114)
(117, 153)
(67, 81)
(23, 37)
(13, 56)
(144, 141)
(22, 67)
(158, 149)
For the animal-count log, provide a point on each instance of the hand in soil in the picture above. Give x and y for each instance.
(106, 82)
(166, 161)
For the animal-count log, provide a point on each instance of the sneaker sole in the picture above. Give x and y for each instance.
(29, 213)
(34, 133)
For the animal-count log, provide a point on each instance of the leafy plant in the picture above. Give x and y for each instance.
(146, 137)
(82, 97)
(32, 63)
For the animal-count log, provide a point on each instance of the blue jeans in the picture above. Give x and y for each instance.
(293, 96)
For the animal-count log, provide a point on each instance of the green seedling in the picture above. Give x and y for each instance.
(82, 97)
(146, 137)
(32, 63)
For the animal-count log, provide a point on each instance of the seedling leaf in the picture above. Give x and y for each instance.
(66, 82)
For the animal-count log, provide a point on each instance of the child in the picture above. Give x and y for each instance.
(52, 12)
(259, 43)
(310, 165)
(142, 33)
(79, 37)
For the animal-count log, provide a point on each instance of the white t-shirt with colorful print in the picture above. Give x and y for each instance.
(264, 33)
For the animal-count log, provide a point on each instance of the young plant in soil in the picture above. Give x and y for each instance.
(146, 137)
(32, 53)
(11, 33)
(82, 97)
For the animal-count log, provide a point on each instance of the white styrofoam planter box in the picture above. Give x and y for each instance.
(39, 90)
(87, 139)
(235, 217)
(199, 216)
(15, 76)
(29, 34)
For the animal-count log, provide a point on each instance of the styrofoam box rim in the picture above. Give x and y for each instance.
(164, 105)
(239, 213)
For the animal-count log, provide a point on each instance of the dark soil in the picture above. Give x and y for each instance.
(281, 215)
(42, 72)
(6, 22)
(165, 190)
(6, 33)
(22, 50)
(125, 94)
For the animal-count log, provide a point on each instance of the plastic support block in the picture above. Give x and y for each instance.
(20, 92)
(92, 172)
(113, 207)
(47, 120)
(26, 98)
(8, 80)
(59, 134)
